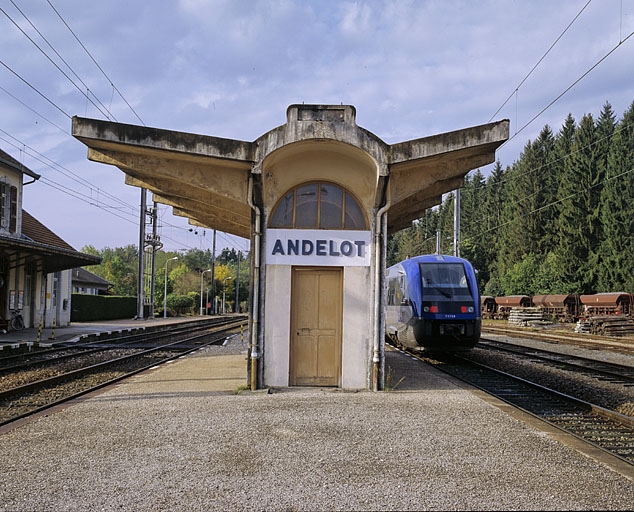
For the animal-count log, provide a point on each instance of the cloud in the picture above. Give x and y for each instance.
(230, 69)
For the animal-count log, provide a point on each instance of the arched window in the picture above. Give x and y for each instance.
(318, 205)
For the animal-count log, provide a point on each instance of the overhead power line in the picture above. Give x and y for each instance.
(85, 94)
(26, 82)
(65, 132)
(36, 155)
(540, 60)
(571, 86)
(95, 62)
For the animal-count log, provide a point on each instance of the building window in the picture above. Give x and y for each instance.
(8, 207)
(318, 205)
(13, 221)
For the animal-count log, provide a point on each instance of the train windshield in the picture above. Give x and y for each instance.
(446, 279)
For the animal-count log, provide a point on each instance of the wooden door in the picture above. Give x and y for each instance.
(316, 313)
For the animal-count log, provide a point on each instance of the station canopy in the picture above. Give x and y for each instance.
(206, 179)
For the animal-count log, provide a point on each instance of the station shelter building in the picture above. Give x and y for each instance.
(35, 263)
(317, 197)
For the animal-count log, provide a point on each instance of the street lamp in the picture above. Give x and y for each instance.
(201, 289)
(224, 287)
(165, 295)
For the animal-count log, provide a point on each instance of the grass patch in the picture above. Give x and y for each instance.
(390, 385)
(241, 388)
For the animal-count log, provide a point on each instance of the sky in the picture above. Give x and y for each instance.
(230, 68)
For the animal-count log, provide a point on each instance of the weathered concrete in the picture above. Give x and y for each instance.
(235, 186)
(187, 170)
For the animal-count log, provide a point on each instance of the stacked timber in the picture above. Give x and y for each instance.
(611, 325)
(525, 316)
(583, 326)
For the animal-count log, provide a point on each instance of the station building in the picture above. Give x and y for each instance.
(35, 263)
(317, 197)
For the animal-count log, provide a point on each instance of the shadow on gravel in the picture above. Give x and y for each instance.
(405, 373)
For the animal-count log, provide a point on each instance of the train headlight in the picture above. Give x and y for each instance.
(430, 309)
(467, 309)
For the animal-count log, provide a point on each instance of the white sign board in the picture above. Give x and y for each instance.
(318, 247)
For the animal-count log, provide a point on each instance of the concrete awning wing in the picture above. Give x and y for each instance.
(206, 179)
(422, 170)
(203, 178)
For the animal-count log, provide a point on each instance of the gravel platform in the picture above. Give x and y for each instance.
(184, 437)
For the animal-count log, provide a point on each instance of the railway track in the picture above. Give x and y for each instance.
(593, 342)
(600, 370)
(594, 369)
(58, 352)
(36, 395)
(603, 428)
(590, 398)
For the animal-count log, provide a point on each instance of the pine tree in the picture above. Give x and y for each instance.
(491, 221)
(472, 232)
(604, 131)
(617, 210)
(578, 202)
(560, 219)
(445, 224)
(548, 174)
(523, 230)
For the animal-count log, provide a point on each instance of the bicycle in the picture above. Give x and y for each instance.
(17, 322)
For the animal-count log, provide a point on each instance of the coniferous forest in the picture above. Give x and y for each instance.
(559, 220)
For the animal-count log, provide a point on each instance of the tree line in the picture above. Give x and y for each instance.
(559, 220)
(184, 275)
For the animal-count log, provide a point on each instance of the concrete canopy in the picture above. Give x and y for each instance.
(206, 179)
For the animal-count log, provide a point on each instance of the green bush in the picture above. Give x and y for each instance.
(181, 304)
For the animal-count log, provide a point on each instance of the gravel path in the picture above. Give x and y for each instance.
(180, 438)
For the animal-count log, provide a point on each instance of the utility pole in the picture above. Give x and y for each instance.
(238, 284)
(456, 224)
(213, 274)
(152, 241)
(140, 280)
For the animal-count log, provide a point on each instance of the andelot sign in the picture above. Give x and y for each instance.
(345, 248)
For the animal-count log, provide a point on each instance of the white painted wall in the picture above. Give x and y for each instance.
(356, 333)
(277, 328)
(357, 328)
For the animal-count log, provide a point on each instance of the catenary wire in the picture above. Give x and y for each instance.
(55, 65)
(26, 82)
(540, 60)
(36, 155)
(109, 114)
(570, 87)
(95, 62)
(33, 110)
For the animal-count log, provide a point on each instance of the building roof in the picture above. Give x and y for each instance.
(82, 276)
(44, 248)
(9, 161)
(38, 232)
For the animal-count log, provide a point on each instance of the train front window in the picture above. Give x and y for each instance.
(445, 279)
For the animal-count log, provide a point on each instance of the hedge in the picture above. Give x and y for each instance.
(87, 308)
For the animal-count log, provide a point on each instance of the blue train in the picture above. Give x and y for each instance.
(433, 304)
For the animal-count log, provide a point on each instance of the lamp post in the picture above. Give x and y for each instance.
(201, 289)
(165, 295)
(224, 287)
